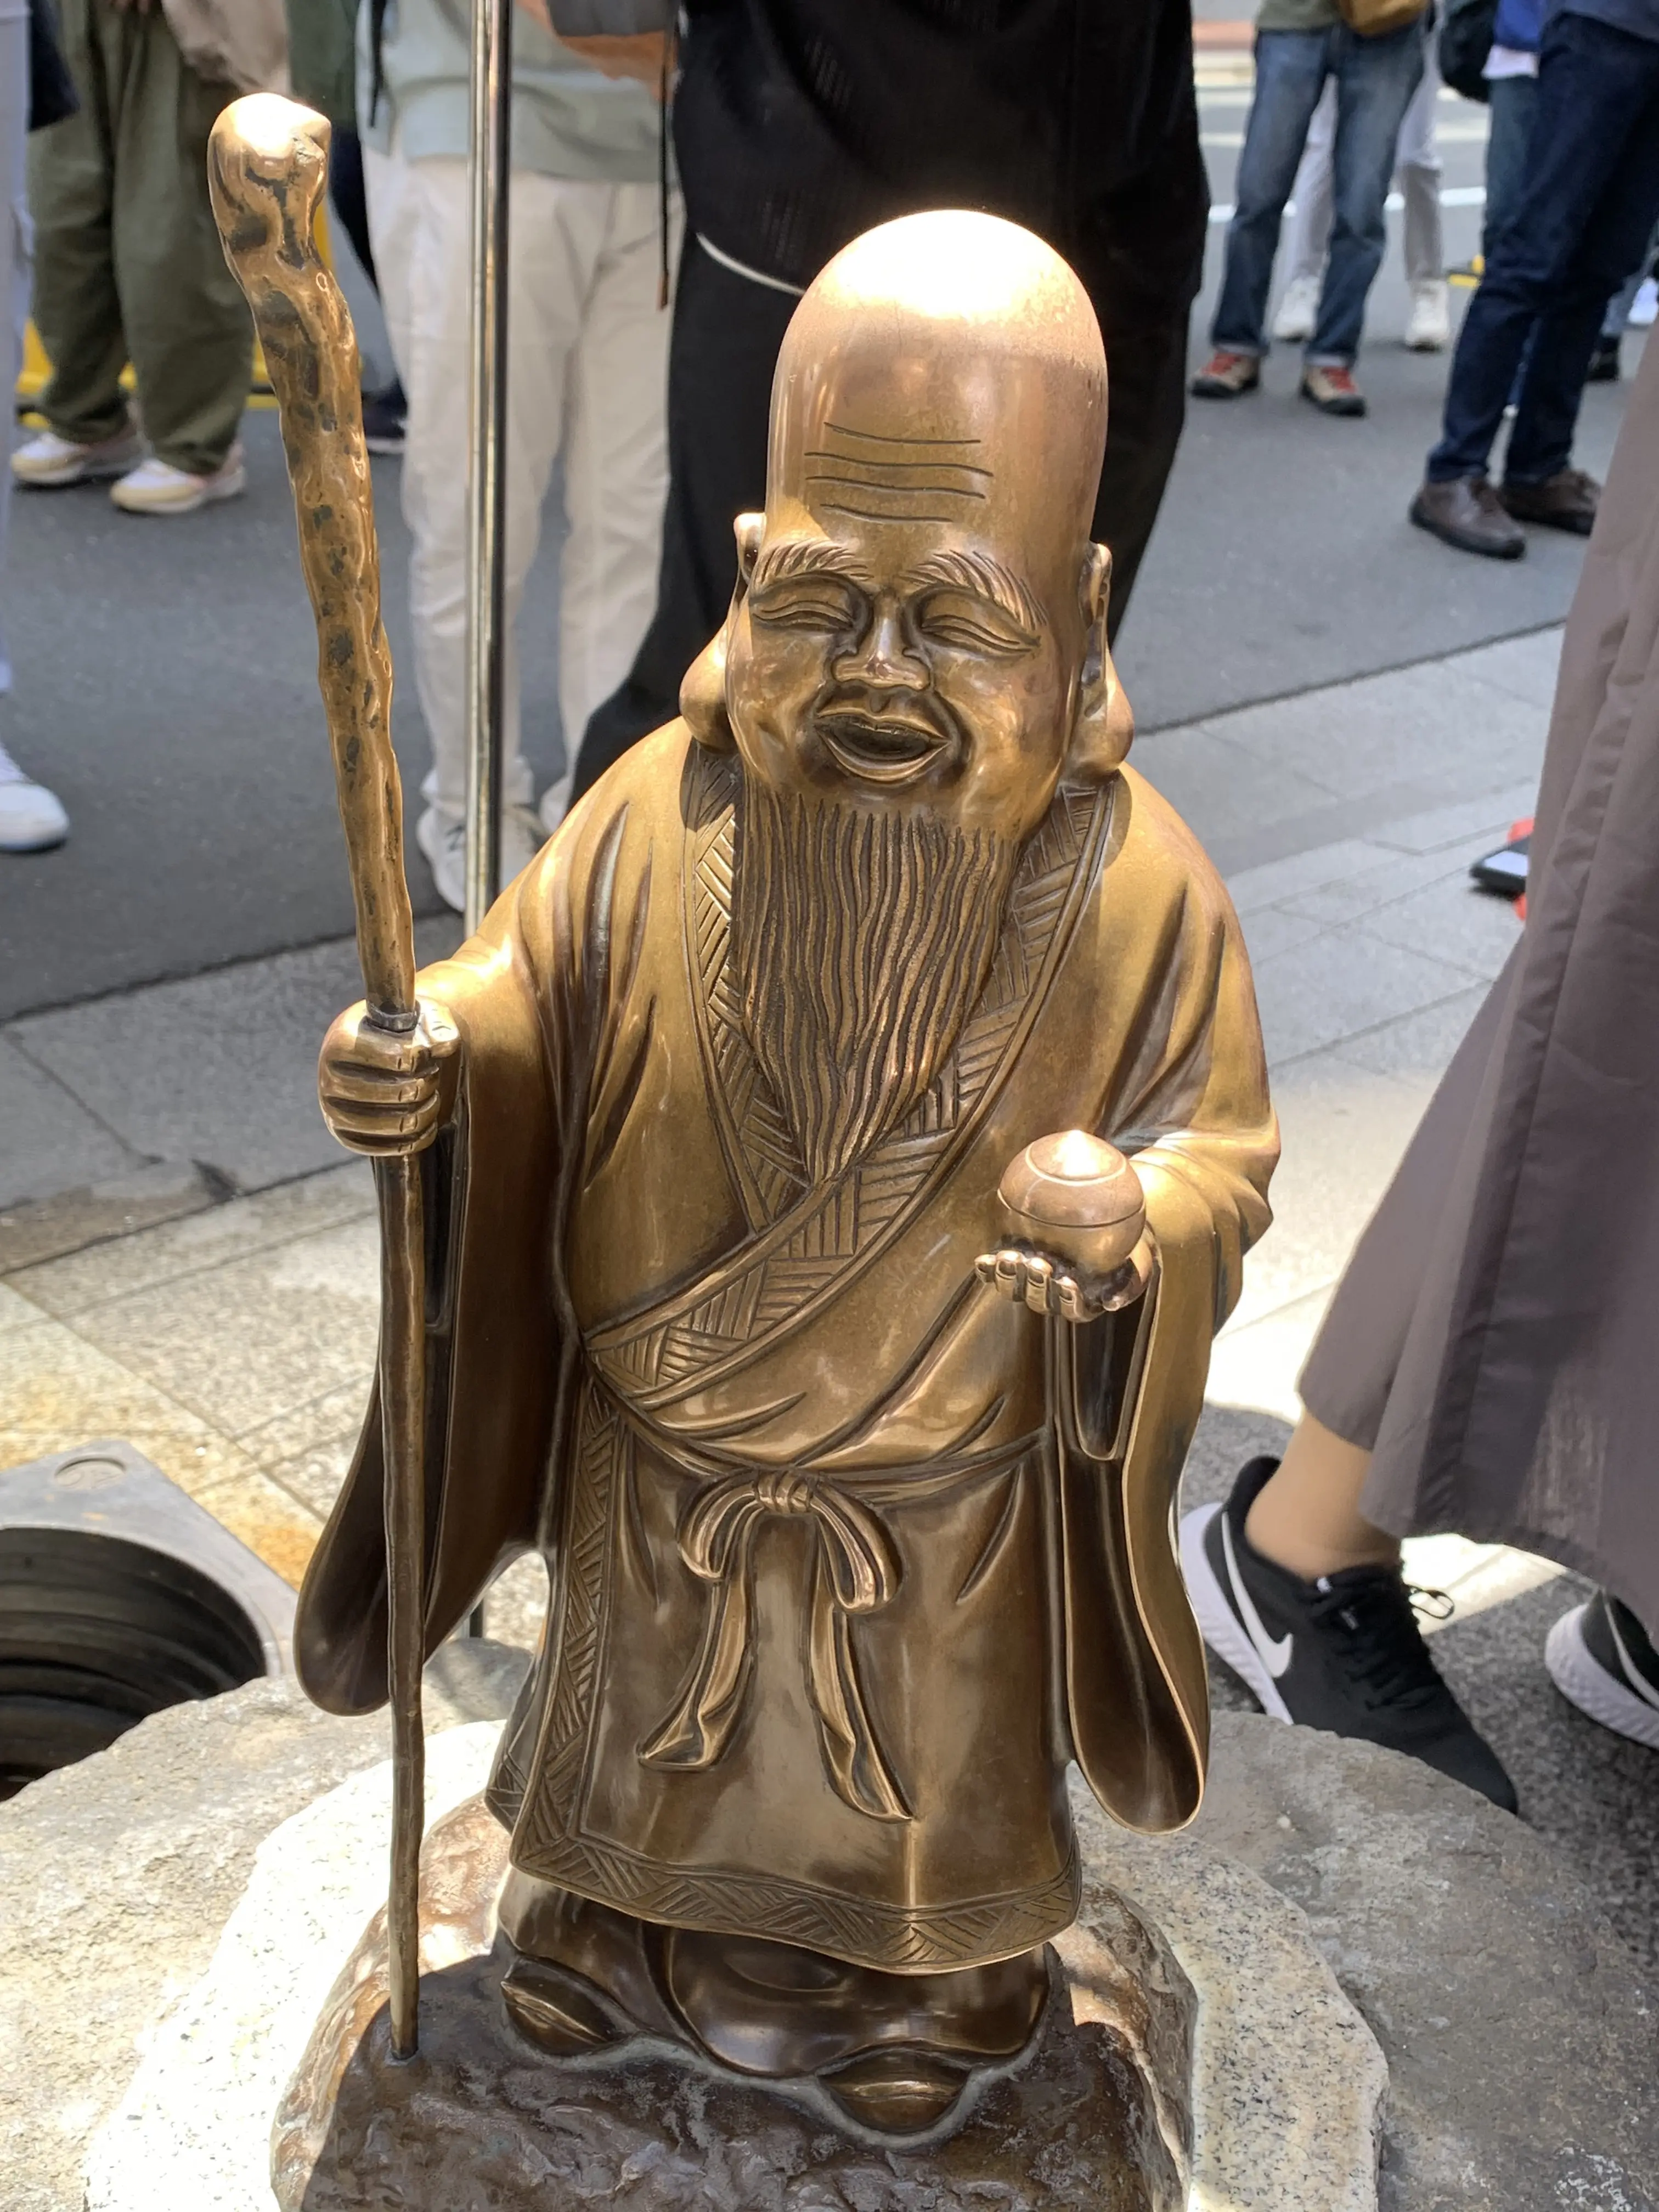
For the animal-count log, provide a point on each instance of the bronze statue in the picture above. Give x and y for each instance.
(855, 1478)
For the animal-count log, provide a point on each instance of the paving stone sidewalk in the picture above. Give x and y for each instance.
(185, 1262)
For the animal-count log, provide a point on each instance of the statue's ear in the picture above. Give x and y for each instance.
(702, 694)
(1105, 723)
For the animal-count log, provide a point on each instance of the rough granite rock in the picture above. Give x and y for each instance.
(1095, 2121)
(1521, 2041)
(1283, 2112)
(117, 1875)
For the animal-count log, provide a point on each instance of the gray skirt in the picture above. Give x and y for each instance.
(1495, 1339)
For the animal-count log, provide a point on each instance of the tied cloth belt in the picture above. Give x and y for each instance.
(854, 1571)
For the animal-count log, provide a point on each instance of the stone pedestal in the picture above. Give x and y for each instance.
(1098, 2116)
(178, 1908)
(1197, 2042)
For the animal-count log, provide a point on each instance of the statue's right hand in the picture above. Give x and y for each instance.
(388, 1092)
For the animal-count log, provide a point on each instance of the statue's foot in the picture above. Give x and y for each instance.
(582, 1977)
(896, 2093)
(893, 2052)
(560, 2011)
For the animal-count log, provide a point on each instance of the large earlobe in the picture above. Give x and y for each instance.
(1104, 726)
(702, 693)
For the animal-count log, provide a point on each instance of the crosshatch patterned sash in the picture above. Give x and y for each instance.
(807, 1245)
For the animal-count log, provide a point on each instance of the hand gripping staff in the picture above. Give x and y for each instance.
(267, 169)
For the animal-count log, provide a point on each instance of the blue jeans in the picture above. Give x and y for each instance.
(1514, 100)
(1375, 81)
(1589, 203)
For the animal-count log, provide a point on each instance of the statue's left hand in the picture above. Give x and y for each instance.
(1049, 1286)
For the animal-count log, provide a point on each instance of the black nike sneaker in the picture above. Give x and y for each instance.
(1602, 1660)
(1344, 1653)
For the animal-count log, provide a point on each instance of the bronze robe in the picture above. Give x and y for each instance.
(833, 1601)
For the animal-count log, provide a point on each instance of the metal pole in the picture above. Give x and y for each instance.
(491, 176)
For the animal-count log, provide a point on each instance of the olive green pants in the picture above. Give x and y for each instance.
(128, 264)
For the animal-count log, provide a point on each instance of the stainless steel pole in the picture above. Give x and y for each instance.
(486, 639)
(490, 175)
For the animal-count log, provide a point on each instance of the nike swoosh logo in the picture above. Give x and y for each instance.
(1275, 1656)
(1633, 1674)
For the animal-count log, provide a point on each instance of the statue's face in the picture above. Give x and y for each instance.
(927, 659)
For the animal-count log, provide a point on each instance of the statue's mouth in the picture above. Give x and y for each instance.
(887, 748)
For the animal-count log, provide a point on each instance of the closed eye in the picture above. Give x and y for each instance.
(971, 624)
(808, 603)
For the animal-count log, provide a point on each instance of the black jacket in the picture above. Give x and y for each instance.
(798, 124)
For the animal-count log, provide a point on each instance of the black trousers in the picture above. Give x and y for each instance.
(727, 331)
(350, 196)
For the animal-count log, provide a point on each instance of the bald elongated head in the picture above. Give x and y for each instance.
(920, 601)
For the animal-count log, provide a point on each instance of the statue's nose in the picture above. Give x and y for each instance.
(884, 660)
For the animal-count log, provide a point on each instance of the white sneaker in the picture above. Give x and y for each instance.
(46, 460)
(1298, 311)
(554, 804)
(1644, 308)
(157, 488)
(1428, 327)
(443, 840)
(31, 819)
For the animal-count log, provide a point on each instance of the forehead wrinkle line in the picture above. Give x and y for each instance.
(932, 461)
(896, 438)
(873, 482)
(979, 572)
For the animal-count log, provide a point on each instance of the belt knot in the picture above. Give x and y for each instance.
(855, 1570)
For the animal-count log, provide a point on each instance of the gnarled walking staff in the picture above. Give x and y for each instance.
(267, 170)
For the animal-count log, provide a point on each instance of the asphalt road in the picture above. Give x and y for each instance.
(166, 671)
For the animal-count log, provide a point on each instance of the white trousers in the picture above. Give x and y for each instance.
(587, 376)
(16, 252)
(1417, 173)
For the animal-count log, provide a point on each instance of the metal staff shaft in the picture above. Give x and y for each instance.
(490, 177)
(267, 169)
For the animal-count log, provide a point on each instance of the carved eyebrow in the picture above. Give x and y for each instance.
(987, 578)
(788, 557)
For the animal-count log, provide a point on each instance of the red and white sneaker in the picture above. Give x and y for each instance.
(1332, 391)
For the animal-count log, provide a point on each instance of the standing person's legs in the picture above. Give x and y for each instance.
(420, 220)
(1595, 119)
(1375, 81)
(615, 470)
(15, 253)
(1417, 165)
(1310, 224)
(722, 350)
(77, 309)
(187, 324)
(1147, 368)
(31, 817)
(1618, 307)
(348, 196)
(1615, 234)
(1291, 68)
(1513, 100)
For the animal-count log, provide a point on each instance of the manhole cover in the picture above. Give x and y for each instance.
(118, 1596)
(96, 1632)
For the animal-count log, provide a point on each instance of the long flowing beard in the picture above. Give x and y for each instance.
(862, 939)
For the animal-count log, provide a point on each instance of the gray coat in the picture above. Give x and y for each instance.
(1495, 1339)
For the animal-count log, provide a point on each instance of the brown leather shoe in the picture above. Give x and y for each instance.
(1224, 375)
(1468, 513)
(1565, 500)
(1332, 391)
